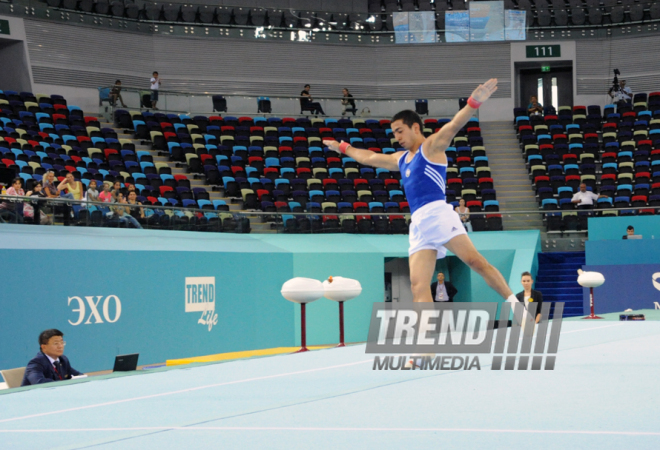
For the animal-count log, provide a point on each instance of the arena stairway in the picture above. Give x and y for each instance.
(557, 280)
(257, 222)
(510, 176)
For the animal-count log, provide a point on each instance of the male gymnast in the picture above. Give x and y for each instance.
(434, 226)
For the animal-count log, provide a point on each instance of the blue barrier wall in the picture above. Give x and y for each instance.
(117, 291)
(604, 228)
(630, 268)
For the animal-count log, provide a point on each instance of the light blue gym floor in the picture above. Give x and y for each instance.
(603, 393)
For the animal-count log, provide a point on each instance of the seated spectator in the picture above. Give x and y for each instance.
(122, 211)
(38, 205)
(116, 189)
(307, 103)
(115, 94)
(92, 195)
(50, 189)
(585, 199)
(106, 196)
(534, 107)
(464, 213)
(347, 103)
(70, 188)
(50, 364)
(11, 210)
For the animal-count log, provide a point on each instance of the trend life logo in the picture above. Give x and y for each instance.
(200, 297)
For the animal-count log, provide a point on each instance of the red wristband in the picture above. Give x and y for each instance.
(473, 103)
(344, 146)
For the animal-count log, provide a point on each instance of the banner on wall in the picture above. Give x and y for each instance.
(415, 27)
(486, 21)
(457, 26)
(632, 286)
(514, 25)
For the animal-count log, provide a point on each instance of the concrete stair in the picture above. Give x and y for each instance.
(510, 176)
(257, 222)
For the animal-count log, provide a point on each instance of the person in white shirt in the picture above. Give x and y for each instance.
(585, 198)
(155, 85)
(622, 95)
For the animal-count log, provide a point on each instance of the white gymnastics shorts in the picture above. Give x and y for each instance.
(432, 226)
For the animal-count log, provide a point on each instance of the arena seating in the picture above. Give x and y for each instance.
(279, 165)
(269, 164)
(616, 153)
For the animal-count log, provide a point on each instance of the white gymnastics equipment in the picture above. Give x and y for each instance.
(340, 289)
(590, 280)
(302, 290)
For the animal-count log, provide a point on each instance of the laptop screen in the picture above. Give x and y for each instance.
(635, 236)
(126, 363)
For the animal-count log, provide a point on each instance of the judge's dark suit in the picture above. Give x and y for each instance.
(537, 298)
(40, 370)
(451, 290)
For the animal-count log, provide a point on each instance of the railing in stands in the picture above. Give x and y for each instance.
(170, 217)
(238, 104)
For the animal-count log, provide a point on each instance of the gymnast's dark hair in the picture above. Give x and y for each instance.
(527, 274)
(409, 118)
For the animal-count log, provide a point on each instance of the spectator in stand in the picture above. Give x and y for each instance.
(115, 94)
(122, 211)
(464, 214)
(621, 96)
(11, 210)
(347, 103)
(106, 196)
(585, 199)
(37, 205)
(135, 212)
(308, 103)
(70, 188)
(534, 107)
(155, 85)
(116, 189)
(92, 194)
(49, 185)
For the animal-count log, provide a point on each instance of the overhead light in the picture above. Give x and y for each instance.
(371, 19)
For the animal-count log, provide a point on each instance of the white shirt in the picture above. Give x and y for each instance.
(586, 198)
(624, 94)
(52, 361)
(441, 293)
(155, 84)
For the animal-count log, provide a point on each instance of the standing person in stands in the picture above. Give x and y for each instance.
(115, 94)
(434, 226)
(155, 85)
(308, 103)
(347, 103)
